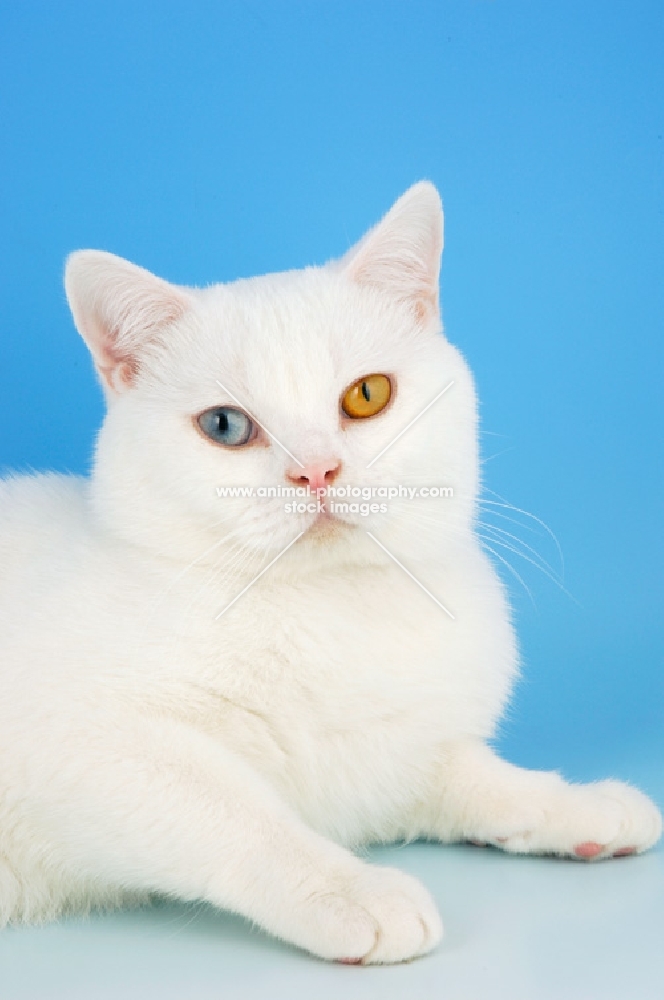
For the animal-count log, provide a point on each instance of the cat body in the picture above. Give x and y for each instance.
(215, 698)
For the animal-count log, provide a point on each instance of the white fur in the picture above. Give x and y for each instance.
(147, 745)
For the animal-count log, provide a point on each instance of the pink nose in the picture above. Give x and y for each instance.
(317, 474)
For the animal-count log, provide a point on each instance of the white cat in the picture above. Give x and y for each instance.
(192, 705)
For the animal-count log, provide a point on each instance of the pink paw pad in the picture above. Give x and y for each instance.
(349, 961)
(589, 849)
(624, 852)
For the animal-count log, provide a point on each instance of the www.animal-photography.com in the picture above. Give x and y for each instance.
(330, 500)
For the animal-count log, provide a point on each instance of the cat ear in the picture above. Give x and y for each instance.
(118, 309)
(402, 253)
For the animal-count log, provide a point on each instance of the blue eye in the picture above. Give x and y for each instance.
(226, 425)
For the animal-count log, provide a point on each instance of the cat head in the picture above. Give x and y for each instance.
(335, 376)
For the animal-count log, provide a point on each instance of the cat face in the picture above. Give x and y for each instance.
(318, 378)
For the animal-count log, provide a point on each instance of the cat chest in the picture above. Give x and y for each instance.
(343, 700)
(336, 658)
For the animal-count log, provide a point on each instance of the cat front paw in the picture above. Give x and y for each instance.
(639, 824)
(380, 915)
(588, 822)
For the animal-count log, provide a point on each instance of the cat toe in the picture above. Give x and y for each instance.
(407, 918)
(372, 916)
(588, 850)
(641, 820)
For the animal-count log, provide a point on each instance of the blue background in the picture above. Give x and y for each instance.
(211, 140)
(208, 141)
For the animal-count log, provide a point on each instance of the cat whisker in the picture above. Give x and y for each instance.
(504, 503)
(543, 567)
(501, 533)
(497, 454)
(512, 548)
(510, 568)
(238, 557)
(490, 511)
(259, 575)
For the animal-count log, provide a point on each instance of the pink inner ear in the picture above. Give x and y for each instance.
(117, 368)
(401, 254)
(117, 357)
(423, 308)
(405, 279)
(119, 373)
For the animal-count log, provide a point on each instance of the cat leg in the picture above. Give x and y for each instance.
(486, 800)
(162, 808)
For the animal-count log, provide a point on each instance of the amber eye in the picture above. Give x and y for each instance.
(367, 396)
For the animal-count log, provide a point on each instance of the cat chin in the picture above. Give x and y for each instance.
(328, 527)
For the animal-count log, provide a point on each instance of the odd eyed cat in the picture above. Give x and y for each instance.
(214, 698)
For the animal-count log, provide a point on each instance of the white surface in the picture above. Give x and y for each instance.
(517, 928)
